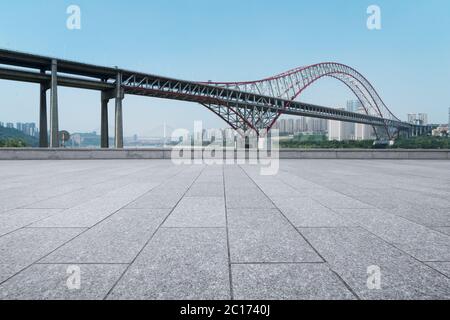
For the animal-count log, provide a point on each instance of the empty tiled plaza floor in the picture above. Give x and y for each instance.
(153, 230)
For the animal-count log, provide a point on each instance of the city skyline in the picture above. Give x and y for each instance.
(335, 130)
(399, 84)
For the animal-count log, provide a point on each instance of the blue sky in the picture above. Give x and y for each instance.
(407, 61)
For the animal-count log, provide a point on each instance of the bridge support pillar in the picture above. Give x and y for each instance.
(43, 129)
(104, 140)
(54, 125)
(119, 115)
(247, 141)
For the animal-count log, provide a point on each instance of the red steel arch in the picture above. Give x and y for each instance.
(289, 85)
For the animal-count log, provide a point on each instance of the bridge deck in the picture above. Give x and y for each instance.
(96, 77)
(150, 230)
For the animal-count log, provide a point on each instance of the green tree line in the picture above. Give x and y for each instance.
(12, 138)
(322, 142)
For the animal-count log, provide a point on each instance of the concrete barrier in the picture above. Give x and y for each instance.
(92, 154)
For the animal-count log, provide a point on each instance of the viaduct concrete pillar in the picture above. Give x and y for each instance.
(104, 122)
(119, 116)
(54, 126)
(43, 130)
(247, 141)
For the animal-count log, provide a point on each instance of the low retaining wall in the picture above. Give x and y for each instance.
(91, 154)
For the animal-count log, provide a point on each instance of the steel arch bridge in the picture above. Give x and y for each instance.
(252, 106)
(291, 84)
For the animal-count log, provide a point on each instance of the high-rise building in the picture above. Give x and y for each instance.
(2, 125)
(418, 119)
(349, 128)
(290, 126)
(363, 131)
(423, 119)
(300, 125)
(340, 131)
(353, 105)
(296, 125)
(27, 128)
(334, 130)
(412, 118)
(283, 126)
(316, 125)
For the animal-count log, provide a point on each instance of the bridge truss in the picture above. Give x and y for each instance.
(245, 106)
(291, 84)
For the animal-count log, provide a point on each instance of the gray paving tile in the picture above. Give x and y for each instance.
(206, 189)
(443, 267)
(116, 240)
(26, 246)
(414, 225)
(156, 201)
(238, 188)
(445, 230)
(340, 202)
(421, 242)
(287, 282)
(73, 199)
(256, 219)
(90, 213)
(49, 282)
(179, 264)
(265, 236)
(425, 215)
(432, 247)
(248, 201)
(350, 251)
(275, 188)
(306, 212)
(198, 212)
(212, 177)
(270, 245)
(19, 218)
